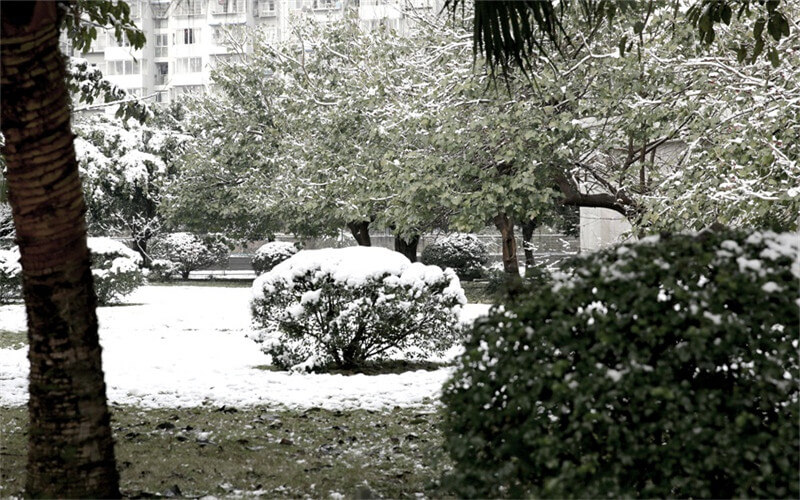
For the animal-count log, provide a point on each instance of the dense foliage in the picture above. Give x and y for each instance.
(271, 254)
(189, 252)
(666, 368)
(115, 268)
(464, 253)
(343, 307)
(10, 275)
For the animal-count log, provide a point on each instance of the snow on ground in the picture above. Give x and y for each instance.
(187, 346)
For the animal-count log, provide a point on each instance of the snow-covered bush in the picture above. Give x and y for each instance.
(115, 268)
(10, 275)
(667, 368)
(464, 253)
(162, 270)
(191, 252)
(344, 306)
(271, 254)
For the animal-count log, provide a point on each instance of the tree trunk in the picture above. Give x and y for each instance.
(407, 247)
(505, 225)
(360, 232)
(70, 449)
(528, 227)
(141, 247)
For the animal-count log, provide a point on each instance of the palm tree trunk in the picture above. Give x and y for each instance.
(70, 448)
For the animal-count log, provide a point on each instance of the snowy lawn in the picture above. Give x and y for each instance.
(186, 346)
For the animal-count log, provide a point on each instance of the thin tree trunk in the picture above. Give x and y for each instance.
(528, 227)
(407, 247)
(360, 232)
(505, 225)
(70, 449)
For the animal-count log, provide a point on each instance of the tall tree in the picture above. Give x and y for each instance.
(70, 448)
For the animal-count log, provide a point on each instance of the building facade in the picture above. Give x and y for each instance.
(186, 39)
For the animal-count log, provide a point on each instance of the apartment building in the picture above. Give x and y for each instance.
(187, 38)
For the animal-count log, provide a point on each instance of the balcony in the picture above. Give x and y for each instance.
(161, 79)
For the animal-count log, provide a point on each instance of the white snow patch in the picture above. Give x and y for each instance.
(186, 346)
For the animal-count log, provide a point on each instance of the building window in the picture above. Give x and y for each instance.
(136, 9)
(265, 8)
(122, 67)
(189, 65)
(162, 42)
(324, 4)
(228, 6)
(162, 73)
(135, 92)
(189, 8)
(160, 24)
(113, 42)
(187, 36)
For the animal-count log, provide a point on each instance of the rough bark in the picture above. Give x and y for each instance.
(528, 227)
(360, 232)
(407, 247)
(505, 225)
(70, 448)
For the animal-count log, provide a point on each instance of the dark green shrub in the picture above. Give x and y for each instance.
(271, 254)
(464, 253)
(667, 368)
(341, 307)
(10, 275)
(115, 268)
(191, 252)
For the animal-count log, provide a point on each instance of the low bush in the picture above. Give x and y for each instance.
(271, 254)
(115, 268)
(464, 253)
(666, 368)
(191, 252)
(341, 307)
(10, 275)
(162, 270)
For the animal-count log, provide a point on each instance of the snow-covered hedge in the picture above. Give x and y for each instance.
(271, 254)
(341, 307)
(464, 253)
(10, 275)
(667, 368)
(162, 270)
(191, 252)
(116, 269)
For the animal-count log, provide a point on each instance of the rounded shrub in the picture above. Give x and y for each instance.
(162, 270)
(191, 252)
(115, 268)
(271, 254)
(10, 275)
(666, 368)
(464, 253)
(342, 307)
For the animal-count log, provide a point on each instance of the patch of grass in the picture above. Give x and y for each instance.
(215, 283)
(477, 292)
(259, 451)
(13, 340)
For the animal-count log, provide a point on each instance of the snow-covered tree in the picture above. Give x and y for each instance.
(125, 169)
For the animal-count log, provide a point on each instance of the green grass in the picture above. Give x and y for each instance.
(13, 340)
(477, 293)
(278, 453)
